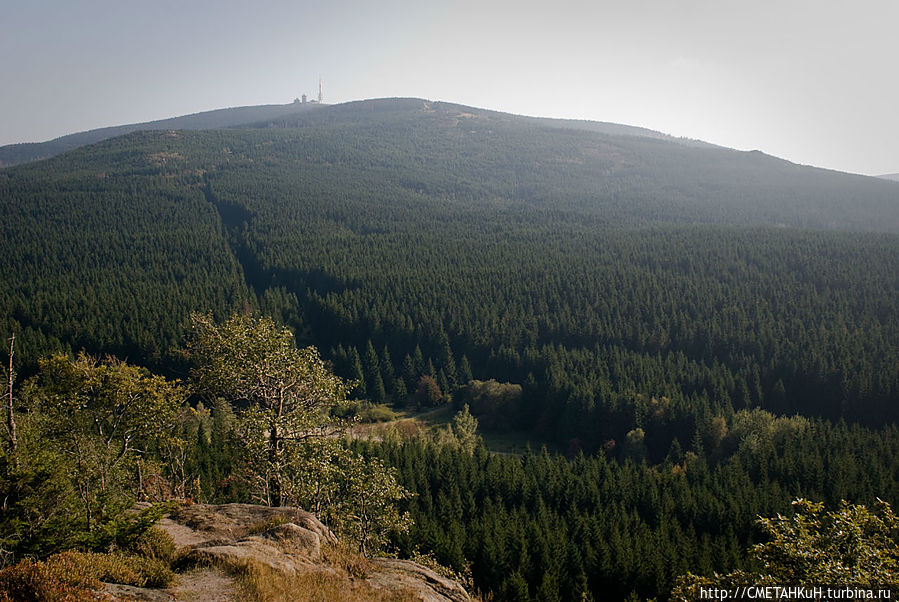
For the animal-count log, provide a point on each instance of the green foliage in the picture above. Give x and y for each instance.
(134, 531)
(39, 500)
(635, 445)
(100, 415)
(250, 360)
(364, 412)
(629, 285)
(286, 394)
(495, 404)
(155, 544)
(852, 545)
(86, 423)
(366, 505)
(292, 457)
(377, 413)
(594, 525)
(848, 546)
(527, 250)
(465, 428)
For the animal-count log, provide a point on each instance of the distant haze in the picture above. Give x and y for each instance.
(807, 81)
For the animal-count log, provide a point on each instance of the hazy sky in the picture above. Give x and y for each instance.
(814, 82)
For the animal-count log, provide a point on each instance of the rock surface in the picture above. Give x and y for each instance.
(229, 538)
(420, 580)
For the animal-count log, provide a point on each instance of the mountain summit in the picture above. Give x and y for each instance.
(262, 115)
(16, 154)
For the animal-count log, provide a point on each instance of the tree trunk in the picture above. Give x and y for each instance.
(140, 483)
(10, 416)
(274, 482)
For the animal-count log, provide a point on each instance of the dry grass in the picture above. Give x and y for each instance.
(343, 578)
(344, 560)
(261, 584)
(263, 526)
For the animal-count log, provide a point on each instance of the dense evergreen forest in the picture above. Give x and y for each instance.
(703, 334)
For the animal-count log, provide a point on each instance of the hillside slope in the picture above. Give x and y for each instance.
(512, 244)
(716, 331)
(16, 154)
(265, 115)
(615, 173)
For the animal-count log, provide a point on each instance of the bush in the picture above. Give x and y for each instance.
(155, 544)
(377, 413)
(63, 577)
(138, 571)
(128, 528)
(852, 545)
(71, 576)
(496, 405)
(364, 411)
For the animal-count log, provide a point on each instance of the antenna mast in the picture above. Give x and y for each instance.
(319, 89)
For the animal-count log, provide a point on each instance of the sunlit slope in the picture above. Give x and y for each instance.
(614, 173)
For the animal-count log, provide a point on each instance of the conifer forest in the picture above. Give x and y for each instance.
(632, 347)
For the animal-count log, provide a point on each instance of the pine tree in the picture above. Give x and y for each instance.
(357, 373)
(388, 372)
(409, 376)
(443, 381)
(400, 393)
(341, 359)
(375, 384)
(447, 362)
(418, 363)
(464, 370)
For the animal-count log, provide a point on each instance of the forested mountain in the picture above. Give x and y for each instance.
(656, 304)
(15, 154)
(261, 116)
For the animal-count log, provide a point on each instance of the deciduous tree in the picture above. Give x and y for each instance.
(103, 414)
(852, 545)
(284, 392)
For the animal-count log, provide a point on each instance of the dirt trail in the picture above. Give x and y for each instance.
(206, 585)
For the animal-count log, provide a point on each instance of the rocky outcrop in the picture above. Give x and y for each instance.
(286, 540)
(415, 578)
(235, 538)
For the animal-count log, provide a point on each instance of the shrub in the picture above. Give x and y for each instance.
(63, 577)
(155, 544)
(128, 528)
(126, 569)
(377, 413)
(71, 576)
